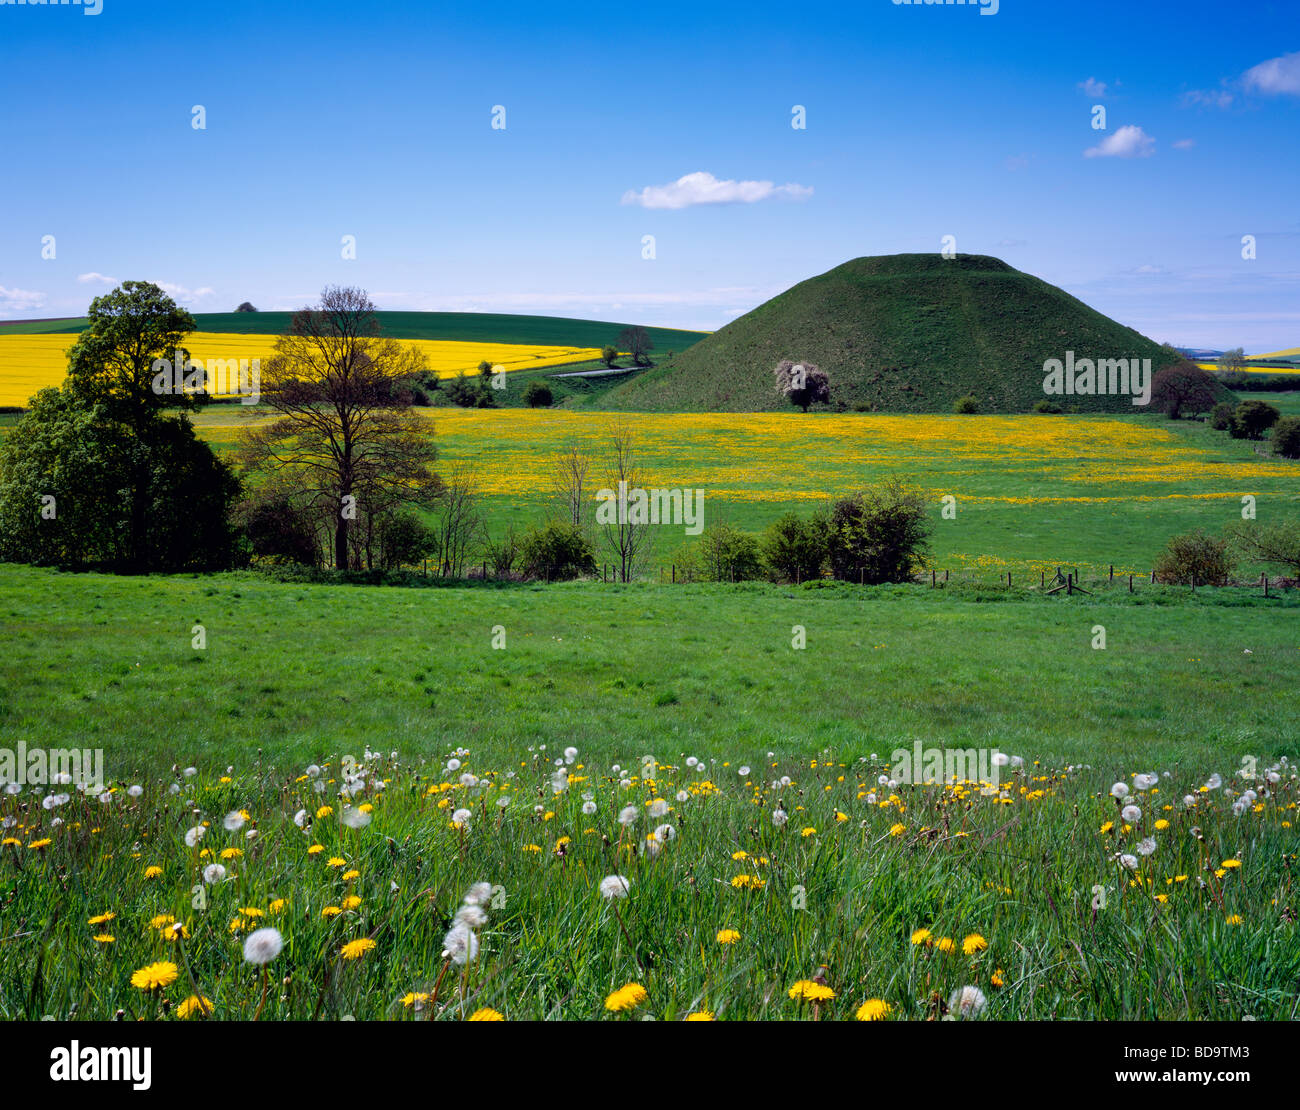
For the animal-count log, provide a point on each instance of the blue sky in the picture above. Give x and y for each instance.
(331, 119)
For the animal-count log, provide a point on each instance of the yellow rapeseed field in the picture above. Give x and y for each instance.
(32, 362)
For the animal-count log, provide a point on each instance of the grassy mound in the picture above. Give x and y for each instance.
(899, 333)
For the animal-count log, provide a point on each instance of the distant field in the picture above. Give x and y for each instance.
(465, 327)
(32, 362)
(1033, 492)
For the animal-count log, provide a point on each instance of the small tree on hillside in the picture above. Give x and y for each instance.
(1233, 361)
(637, 342)
(1183, 390)
(802, 383)
(609, 355)
(246, 307)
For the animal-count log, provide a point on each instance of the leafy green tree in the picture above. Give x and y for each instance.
(726, 554)
(1253, 418)
(1196, 557)
(1286, 437)
(78, 488)
(966, 406)
(794, 547)
(609, 355)
(878, 535)
(556, 550)
(1221, 417)
(537, 395)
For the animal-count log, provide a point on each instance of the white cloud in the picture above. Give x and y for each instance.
(704, 188)
(1210, 98)
(1130, 141)
(1093, 87)
(1277, 75)
(1184, 144)
(96, 279)
(19, 300)
(181, 294)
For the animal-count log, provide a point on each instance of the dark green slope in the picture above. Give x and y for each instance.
(898, 333)
(467, 327)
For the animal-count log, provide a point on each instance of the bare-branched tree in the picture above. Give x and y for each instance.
(344, 431)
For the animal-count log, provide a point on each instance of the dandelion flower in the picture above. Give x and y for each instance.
(486, 1014)
(355, 949)
(155, 977)
(194, 1006)
(922, 936)
(967, 1002)
(807, 990)
(263, 945)
(874, 1009)
(728, 936)
(627, 997)
(614, 886)
(974, 943)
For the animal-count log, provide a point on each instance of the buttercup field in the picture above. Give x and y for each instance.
(761, 537)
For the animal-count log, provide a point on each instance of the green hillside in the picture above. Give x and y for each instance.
(898, 333)
(468, 327)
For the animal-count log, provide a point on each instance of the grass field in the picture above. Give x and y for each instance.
(1032, 492)
(704, 682)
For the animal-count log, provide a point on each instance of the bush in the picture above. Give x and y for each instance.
(1196, 557)
(1183, 390)
(1047, 406)
(966, 406)
(794, 547)
(1277, 542)
(727, 554)
(538, 395)
(1253, 418)
(1221, 417)
(557, 550)
(878, 535)
(1286, 437)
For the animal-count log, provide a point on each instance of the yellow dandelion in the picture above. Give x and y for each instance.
(874, 1009)
(727, 936)
(486, 1014)
(807, 990)
(974, 943)
(195, 1006)
(627, 997)
(355, 949)
(154, 977)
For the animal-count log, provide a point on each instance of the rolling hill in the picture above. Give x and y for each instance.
(898, 333)
(463, 327)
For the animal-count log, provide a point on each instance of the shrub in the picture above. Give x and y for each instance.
(727, 554)
(1221, 417)
(1286, 437)
(878, 535)
(794, 547)
(1196, 555)
(1253, 418)
(1277, 542)
(556, 550)
(538, 395)
(1047, 406)
(802, 383)
(965, 406)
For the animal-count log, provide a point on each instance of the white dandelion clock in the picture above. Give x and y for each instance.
(627, 815)
(478, 895)
(354, 818)
(460, 945)
(233, 821)
(614, 886)
(214, 873)
(658, 808)
(1131, 813)
(461, 818)
(263, 945)
(967, 1002)
(1119, 790)
(194, 835)
(779, 818)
